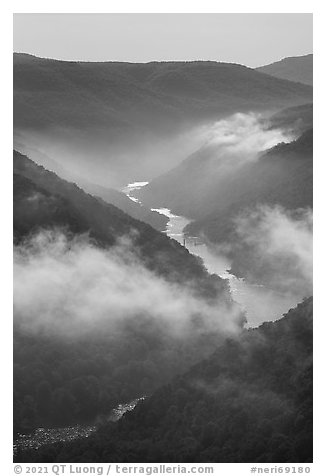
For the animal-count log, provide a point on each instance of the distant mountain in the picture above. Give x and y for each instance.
(251, 401)
(127, 119)
(295, 68)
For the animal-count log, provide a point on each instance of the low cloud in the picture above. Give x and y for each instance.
(280, 245)
(69, 286)
(241, 137)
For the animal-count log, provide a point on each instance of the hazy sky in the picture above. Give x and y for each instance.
(252, 39)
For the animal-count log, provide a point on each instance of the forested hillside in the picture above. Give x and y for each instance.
(109, 195)
(251, 401)
(86, 334)
(133, 121)
(282, 176)
(176, 88)
(104, 222)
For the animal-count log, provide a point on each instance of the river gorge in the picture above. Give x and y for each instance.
(258, 301)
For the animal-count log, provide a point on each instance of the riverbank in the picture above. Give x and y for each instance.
(46, 436)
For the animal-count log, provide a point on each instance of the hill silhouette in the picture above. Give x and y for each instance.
(295, 68)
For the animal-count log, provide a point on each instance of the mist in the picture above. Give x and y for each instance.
(203, 182)
(240, 139)
(111, 159)
(279, 243)
(68, 286)
(120, 157)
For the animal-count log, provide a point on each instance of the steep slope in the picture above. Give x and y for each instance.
(109, 195)
(296, 119)
(229, 198)
(35, 208)
(104, 222)
(251, 401)
(282, 176)
(295, 68)
(103, 320)
(266, 217)
(129, 119)
(120, 200)
(220, 174)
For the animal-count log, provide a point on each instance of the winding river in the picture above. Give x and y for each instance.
(259, 302)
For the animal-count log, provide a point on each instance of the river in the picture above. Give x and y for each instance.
(260, 303)
(47, 436)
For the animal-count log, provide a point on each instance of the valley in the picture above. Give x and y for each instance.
(259, 302)
(162, 232)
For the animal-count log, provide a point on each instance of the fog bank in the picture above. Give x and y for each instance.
(69, 286)
(280, 246)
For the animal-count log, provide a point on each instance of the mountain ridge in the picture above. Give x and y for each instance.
(292, 68)
(128, 117)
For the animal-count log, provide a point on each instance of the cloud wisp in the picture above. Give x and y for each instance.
(241, 137)
(280, 243)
